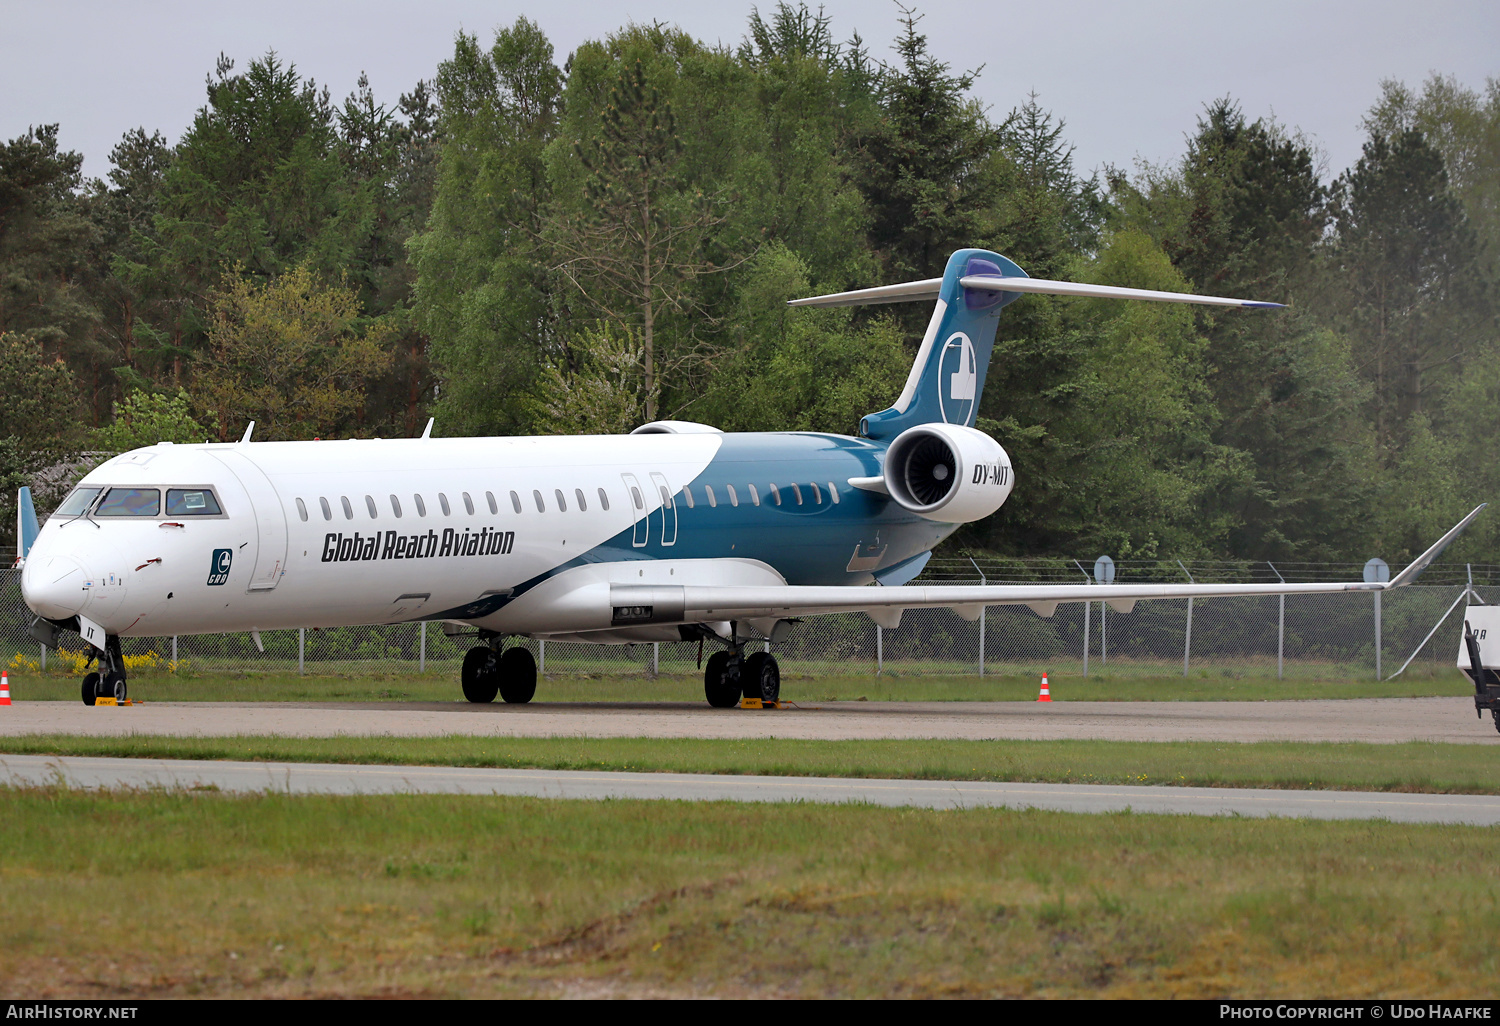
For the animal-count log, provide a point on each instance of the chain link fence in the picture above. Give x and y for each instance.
(1335, 636)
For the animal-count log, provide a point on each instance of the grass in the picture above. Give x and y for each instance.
(1414, 766)
(159, 894)
(443, 687)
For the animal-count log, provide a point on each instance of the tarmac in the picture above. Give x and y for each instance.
(319, 778)
(1379, 720)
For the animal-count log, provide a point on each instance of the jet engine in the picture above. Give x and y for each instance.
(949, 473)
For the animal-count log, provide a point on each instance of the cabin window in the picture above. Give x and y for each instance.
(192, 502)
(776, 495)
(583, 505)
(79, 501)
(635, 495)
(443, 502)
(302, 510)
(490, 498)
(817, 494)
(130, 502)
(687, 493)
(833, 493)
(468, 504)
(348, 509)
(562, 502)
(327, 512)
(541, 507)
(754, 495)
(666, 497)
(797, 492)
(515, 501)
(713, 500)
(604, 500)
(421, 506)
(370, 507)
(734, 496)
(396, 507)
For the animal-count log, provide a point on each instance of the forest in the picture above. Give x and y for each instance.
(530, 244)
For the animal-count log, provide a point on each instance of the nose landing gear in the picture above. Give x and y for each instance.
(109, 682)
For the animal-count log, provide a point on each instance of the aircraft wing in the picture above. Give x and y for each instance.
(757, 602)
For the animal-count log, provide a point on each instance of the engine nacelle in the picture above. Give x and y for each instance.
(947, 472)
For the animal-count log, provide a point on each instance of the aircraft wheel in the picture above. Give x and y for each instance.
(517, 672)
(762, 677)
(478, 675)
(717, 687)
(90, 688)
(113, 685)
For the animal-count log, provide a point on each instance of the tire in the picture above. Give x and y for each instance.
(762, 678)
(720, 692)
(90, 688)
(113, 686)
(517, 673)
(478, 675)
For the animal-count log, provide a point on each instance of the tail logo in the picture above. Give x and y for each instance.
(958, 379)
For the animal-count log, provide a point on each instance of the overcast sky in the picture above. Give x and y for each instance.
(1130, 79)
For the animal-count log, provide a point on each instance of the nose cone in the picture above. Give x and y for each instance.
(53, 586)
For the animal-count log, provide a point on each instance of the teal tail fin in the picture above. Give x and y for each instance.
(26, 526)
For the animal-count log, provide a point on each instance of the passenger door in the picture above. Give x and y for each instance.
(270, 519)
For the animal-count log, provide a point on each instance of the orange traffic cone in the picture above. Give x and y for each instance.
(4, 688)
(1044, 696)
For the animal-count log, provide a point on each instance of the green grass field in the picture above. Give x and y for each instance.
(1415, 766)
(175, 894)
(443, 687)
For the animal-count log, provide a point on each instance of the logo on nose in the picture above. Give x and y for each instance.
(218, 567)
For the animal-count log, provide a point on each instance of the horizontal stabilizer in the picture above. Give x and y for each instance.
(906, 292)
(1042, 286)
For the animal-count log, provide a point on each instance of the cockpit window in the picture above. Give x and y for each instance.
(192, 502)
(79, 501)
(130, 502)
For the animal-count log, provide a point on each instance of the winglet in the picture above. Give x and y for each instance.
(427, 431)
(1415, 567)
(26, 526)
(249, 429)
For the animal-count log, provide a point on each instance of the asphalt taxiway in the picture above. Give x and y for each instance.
(320, 778)
(1379, 720)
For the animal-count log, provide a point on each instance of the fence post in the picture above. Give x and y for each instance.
(301, 647)
(982, 610)
(174, 650)
(1377, 635)
(44, 657)
(1103, 635)
(1087, 612)
(541, 649)
(422, 646)
(879, 649)
(655, 659)
(1187, 640)
(1280, 619)
(1088, 608)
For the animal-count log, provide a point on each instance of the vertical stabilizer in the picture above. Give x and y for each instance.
(26, 526)
(947, 378)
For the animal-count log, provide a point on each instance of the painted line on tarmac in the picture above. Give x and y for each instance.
(340, 779)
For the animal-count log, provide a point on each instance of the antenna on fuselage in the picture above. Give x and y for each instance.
(427, 431)
(248, 428)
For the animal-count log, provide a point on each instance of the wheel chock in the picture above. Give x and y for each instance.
(111, 701)
(751, 703)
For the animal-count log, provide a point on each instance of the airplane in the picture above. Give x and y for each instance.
(674, 532)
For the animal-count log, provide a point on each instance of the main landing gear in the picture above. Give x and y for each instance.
(487, 671)
(728, 675)
(109, 680)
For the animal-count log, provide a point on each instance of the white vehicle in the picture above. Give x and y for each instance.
(674, 532)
